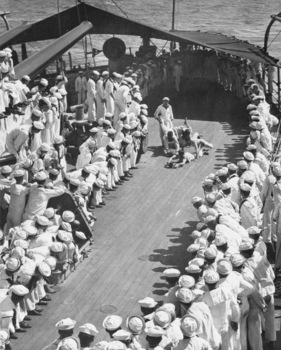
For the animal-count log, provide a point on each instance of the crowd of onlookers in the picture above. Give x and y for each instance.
(225, 298)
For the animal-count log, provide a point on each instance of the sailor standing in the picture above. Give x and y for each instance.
(101, 100)
(165, 111)
(91, 95)
(79, 87)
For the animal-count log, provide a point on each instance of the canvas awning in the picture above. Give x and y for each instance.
(105, 22)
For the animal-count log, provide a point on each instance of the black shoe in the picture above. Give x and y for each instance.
(114, 187)
(134, 167)
(27, 318)
(24, 325)
(49, 289)
(21, 330)
(42, 302)
(130, 175)
(34, 313)
(38, 309)
(46, 298)
(13, 336)
(102, 203)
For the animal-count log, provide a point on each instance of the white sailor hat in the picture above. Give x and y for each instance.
(196, 200)
(44, 269)
(245, 187)
(254, 230)
(116, 345)
(45, 147)
(224, 267)
(248, 176)
(208, 182)
(276, 171)
(144, 113)
(27, 163)
(101, 345)
(225, 186)
(220, 240)
(59, 77)
(121, 334)
(111, 131)
(122, 115)
(6, 169)
(54, 171)
(172, 273)
(80, 235)
(246, 245)
(144, 106)
(162, 318)
(40, 176)
(18, 173)
(211, 252)
(189, 326)
(112, 322)
(2, 53)
(256, 126)
(197, 261)
(114, 153)
(154, 331)
(38, 125)
(211, 198)
(185, 295)
(248, 156)
(21, 243)
(138, 97)
(88, 328)
(19, 289)
(251, 148)
(51, 261)
(147, 302)
(4, 337)
(12, 264)
(211, 276)
(127, 126)
(74, 182)
(42, 220)
(30, 230)
(251, 107)
(126, 140)
(105, 73)
(26, 77)
(113, 161)
(106, 122)
(84, 190)
(108, 115)
(195, 234)
(95, 72)
(242, 165)
(193, 269)
(232, 166)
(65, 324)
(237, 259)
(222, 172)
(94, 130)
(186, 281)
(166, 99)
(193, 248)
(58, 140)
(135, 324)
(17, 253)
(209, 218)
(44, 82)
(68, 216)
(69, 343)
(57, 247)
(99, 183)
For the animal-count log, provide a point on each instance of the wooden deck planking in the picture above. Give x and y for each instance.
(149, 215)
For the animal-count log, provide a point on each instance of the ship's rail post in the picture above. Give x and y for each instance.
(278, 87)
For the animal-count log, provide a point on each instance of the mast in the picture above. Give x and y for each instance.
(173, 14)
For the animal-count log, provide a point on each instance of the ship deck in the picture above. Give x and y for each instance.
(145, 226)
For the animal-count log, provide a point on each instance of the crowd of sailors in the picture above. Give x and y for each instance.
(38, 241)
(225, 298)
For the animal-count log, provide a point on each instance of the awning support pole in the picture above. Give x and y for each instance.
(278, 77)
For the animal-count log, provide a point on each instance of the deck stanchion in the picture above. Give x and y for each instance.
(278, 86)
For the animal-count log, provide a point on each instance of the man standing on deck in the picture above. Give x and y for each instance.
(91, 95)
(165, 111)
(79, 87)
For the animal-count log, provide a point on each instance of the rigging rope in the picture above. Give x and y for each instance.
(274, 38)
(120, 8)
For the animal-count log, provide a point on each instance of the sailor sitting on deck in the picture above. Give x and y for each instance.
(179, 159)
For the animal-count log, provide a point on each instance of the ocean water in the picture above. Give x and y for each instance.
(245, 19)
